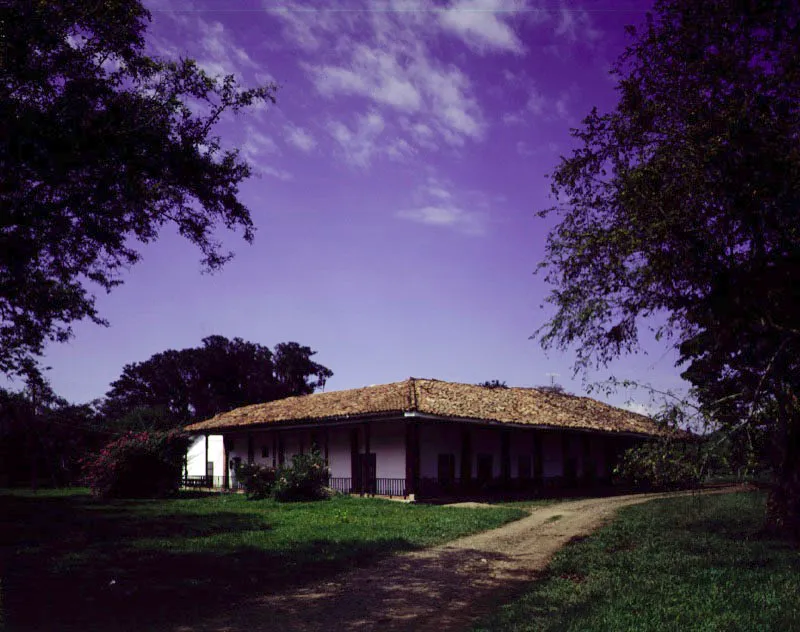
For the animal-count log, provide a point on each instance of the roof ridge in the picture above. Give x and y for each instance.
(412, 393)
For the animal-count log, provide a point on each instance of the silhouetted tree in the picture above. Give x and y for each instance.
(173, 388)
(685, 201)
(102, 148)
(493, 384)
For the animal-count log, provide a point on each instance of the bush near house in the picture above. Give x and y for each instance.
(137, 465)
(257, 480)
(305, 479)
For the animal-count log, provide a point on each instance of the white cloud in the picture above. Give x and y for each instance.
(359, 144)
(300, 138)
(220, 55)
(482, 25)
(257, 145)
(574, 25)
(445, 217)
(280, 174)
(385, 58)
(372, 73)
(436, 204)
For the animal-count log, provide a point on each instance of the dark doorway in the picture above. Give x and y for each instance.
(366, 474)
(447, 470)
(484, 469)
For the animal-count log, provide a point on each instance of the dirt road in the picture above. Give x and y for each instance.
(443, 588)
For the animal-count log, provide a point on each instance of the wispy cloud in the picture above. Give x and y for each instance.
(483, 25)
(257, 145)
(359, 143)
(441, 207)
(445, 217)
(385, 58)
(275, 172)
(300, 138)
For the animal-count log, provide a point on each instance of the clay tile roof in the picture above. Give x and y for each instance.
(442, 399)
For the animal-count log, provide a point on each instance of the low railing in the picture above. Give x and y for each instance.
(210, 482)
(341, 485)
(391, 487)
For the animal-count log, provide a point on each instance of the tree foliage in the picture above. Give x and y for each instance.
(42, 436)
(683, 202)
(175, 387)
(104, 146)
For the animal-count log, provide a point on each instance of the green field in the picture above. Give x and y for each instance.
(692, 563)
(69, 561)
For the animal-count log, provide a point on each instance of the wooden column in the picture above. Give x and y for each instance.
(250, 448)
(226, 471)
(327, 441)
(466, 458)
(505, 456)
(412, 457)
(209, 483)
(355, 473)
(274, 449)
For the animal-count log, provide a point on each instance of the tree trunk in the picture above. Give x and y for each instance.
(783, 505)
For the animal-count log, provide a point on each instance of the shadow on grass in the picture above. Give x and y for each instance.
(72, 563)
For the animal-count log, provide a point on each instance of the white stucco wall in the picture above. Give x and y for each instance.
(388, 442)
(197, 454)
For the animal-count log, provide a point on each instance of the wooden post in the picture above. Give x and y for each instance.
(226, 472)
(466, 458)
(274, 449)
(250, 448)
(412, 457)
(505, 457)
(209, 483)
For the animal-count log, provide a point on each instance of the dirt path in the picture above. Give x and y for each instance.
(442, 588)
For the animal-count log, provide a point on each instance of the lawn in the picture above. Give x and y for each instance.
(69, 561)
(693, 563)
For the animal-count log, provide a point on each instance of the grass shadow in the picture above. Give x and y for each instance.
(73, 563)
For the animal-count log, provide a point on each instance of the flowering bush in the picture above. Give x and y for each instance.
(137, 465)
(306, 479)
(257, 480)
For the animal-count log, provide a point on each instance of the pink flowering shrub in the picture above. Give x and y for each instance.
(137, 465)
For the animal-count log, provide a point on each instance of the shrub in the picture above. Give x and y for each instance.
(666, 464)
(137, 465)
(257, 480)
(306, 479)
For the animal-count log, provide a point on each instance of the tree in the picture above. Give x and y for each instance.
(43, 437)
(683, 202)
(102, 150)
(173, 388)
(493, 384)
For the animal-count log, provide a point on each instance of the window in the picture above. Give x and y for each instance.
(264, 452)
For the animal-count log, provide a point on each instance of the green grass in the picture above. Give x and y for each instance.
(693, 563)
(68, 561)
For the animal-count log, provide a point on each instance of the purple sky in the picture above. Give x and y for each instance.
(399, 176)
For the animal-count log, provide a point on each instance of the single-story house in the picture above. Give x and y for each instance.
(427, 437)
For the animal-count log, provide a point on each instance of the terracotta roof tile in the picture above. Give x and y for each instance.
(444, 399)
